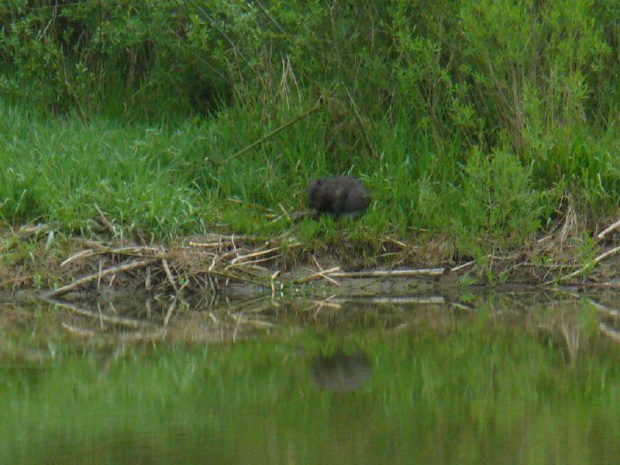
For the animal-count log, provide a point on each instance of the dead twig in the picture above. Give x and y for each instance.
(105, 220)
(611, 228)
(253, 255)
(591, 264)
(102, 249)
(267, 136)
(164, 262)
(270, 18)
(320, 274)
(390, 274)
(81, 254)
(87, 279)
(464, 265)
(358, 118)
(334, 273)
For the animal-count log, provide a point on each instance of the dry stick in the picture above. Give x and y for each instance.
(254, 254)
(389, 274)
(115, 269)
(372, 274)
(101, 249)
(588, 265)
(134, 250)
(602, 234)
(99, 276)
(267, 136)
(164, 262)
(247, 265)
(266, 13)
(464, 265)
(104, 219)
(81, 254)
(207, 245)
(320, 274)
(359, 121)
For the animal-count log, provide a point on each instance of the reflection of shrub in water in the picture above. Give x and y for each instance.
(341, 372)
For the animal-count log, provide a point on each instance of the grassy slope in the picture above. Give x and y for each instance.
(152, 183)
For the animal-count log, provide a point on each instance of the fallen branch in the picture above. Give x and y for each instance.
(611, 228)
(102, 249)
(358, 118)
(267, 136)
(115, 269)
(587, 266)
(164, 262)
(464, 265)
(334, 273)
(81, 254)
(320, 274)
(239, 258)
(389, 274)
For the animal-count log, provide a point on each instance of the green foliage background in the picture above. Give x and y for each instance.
(474, 118)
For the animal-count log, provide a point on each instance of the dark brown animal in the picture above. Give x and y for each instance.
(338, 195)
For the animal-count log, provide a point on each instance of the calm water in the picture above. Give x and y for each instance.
(517, 378)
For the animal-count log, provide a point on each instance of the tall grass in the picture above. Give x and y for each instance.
(471, 120)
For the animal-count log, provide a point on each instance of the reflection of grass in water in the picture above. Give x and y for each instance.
(469, 393)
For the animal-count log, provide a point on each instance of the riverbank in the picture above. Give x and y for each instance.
(40, 257)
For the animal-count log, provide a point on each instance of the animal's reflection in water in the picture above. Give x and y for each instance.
(341, 372)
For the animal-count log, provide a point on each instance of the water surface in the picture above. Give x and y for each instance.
(488, 378)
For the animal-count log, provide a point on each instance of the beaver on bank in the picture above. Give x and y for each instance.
(338, 195)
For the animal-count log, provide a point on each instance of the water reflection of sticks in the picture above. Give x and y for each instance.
(157, 325)
(612, 318)
(557, 315)
(102, 317)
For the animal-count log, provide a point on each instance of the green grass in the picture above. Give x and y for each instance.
(153, 183)
(476, 122)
